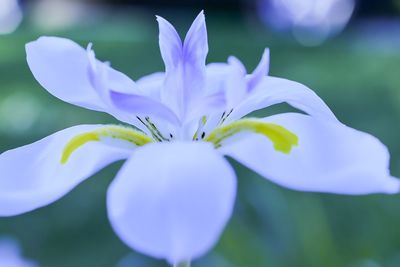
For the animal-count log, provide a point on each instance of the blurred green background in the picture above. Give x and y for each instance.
(356, 73)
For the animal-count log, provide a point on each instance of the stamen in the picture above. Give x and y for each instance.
(153, 133)
(117, 132)
(202, 123)
(224, 116)
(159, 134)
(282, 139)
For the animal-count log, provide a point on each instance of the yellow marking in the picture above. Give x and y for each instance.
(282, 138)
(117, 132)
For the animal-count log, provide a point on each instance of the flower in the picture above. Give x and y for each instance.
(175, 193)
(10, 255)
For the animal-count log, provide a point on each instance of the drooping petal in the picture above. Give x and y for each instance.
(330, 157)
(62, 67)
(138, 105)
(172, 200)
(33, 176)
(184, 64)
(272, 90)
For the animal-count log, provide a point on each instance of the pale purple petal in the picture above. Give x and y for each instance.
(139, 105)
(330, 157)
(172, 200)
(185, 66)
(196, 42)
(32, 176)
(170, 44)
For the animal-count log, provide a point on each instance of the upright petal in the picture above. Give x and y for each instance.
(32, 176)
(272, 90)
(330, 157)
(260, 72)
(184, 64)
(170, 44)
(172, 200)
(195, 48)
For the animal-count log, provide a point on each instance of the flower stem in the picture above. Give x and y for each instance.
(182, 264)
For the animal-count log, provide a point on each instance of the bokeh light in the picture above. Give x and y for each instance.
(11, 255)
(10, 16)
(310, 21)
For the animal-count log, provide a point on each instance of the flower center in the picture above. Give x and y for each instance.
(283, 140)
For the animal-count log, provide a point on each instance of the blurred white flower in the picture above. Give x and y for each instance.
(10, 16)
(10, 255)
(311, 21)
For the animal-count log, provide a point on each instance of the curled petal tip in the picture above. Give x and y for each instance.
(261, 70)
(158, 18)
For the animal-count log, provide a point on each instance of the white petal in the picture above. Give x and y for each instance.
(172, 200)
(62, 67)
(272, 90)
(32, 176)
(331, 157)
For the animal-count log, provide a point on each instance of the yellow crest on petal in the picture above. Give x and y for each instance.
(282, 139)
(115, 132)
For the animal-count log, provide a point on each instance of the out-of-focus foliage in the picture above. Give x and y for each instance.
(356, 74)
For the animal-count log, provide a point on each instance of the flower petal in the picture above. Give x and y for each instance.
(272, 90)
(184, 65)
(195, 48)
(235, 83)
(62, 67)
(330, 157)
(74, 75)
(150, 85)
(138, 105)
(170, 43)
(32, 176)
(172, 200)
(260, 72)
